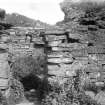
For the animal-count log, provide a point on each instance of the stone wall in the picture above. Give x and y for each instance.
(24, 42)
(67, 52)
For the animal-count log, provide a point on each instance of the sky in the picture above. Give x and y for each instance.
(44, 10)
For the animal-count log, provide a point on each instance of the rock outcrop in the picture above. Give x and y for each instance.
(84, 22)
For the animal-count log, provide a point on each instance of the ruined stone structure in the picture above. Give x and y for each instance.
(79, 45)
(4, 69)
(67, 52)
(23, 42)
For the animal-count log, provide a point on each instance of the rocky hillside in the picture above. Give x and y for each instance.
(20, 20)
(86, 18)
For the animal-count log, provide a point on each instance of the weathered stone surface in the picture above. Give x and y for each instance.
(70, 73)
(95, 57)
(15, 93)
(57, 73)
(55, 43)
(55, 32)
(100, 97)
(90, 93)
(75, 36)
(61, 70)
(80, 53)
(54, 37)
(92, 68)
(4, 83)
(53, 67)
(37, 39)
(76, 65)
(73, 45)
(4, 70)
(95, 50)
(69, 49)
(59, 49)
(100, 84)
(82, 58)
(3, 57)
(59, 54)
(60, 60)
(94, 75)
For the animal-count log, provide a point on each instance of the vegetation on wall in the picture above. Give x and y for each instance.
(26, 66)
(85, 18)
(69, 93)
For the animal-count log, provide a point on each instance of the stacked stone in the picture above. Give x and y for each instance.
(4, 69)
(68, 52)
(4, 65)
(24, 43)
(58, 54)
(85, 25)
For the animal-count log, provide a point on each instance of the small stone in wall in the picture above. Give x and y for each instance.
(100, 97)
(25, 103)
(71, 73)
(90, 93)
(100, 84)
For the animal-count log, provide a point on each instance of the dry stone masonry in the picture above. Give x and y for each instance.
(68, 52)
(24, 42)
(16, 42)
(4, 69)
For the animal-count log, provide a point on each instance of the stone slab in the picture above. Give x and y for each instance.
(4, 83)
(54, 37)
(73, 45)
(54, 32)
(57, 72)
(4, 69)
(59, 54)
(60, 60)
(95, 50)
(55, 43)
(92, 68)
(80, 53)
